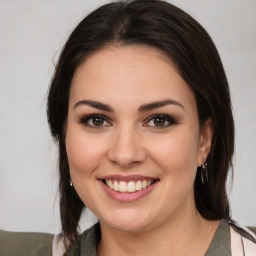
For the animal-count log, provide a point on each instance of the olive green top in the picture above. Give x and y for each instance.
(221, 243)
(25, 244)
(86, 244)
(40, 244)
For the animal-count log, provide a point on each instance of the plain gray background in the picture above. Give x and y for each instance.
(32, 33)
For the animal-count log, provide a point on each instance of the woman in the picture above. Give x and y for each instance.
(140, 108)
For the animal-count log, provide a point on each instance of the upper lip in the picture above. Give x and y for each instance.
(127, 178)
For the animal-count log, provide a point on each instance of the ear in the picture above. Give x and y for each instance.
(205, 141)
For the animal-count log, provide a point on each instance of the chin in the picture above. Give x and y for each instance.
(127, 222)
(128, 227)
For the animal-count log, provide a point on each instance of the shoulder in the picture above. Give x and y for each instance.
(25, 243)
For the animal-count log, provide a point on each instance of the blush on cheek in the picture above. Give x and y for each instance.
(176, 155)
(165, 151)
(84, 161)
(84, 155)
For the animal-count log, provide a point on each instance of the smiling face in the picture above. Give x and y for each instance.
(133, 138)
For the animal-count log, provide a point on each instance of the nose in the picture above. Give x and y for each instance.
(126, 149)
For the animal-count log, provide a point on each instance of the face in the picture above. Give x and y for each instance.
(133, 138)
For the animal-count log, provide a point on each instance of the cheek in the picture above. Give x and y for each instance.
(84, 152)
(176, 154)
(177, 159)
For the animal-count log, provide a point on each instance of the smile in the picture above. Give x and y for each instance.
(131, 186)
(128, 188)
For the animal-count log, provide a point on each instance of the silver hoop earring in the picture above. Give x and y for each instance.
(70, 183)
(204, 172)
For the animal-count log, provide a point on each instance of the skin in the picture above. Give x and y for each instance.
(166, 221)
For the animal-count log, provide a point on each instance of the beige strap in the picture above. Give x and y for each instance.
(58, 248)
(241, 246)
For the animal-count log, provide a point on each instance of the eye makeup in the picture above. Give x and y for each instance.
(160, 121)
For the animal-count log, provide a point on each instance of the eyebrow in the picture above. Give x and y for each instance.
(95, 104)
(159, 104)
(142, 108)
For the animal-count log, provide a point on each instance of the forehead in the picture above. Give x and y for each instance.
(131, 73)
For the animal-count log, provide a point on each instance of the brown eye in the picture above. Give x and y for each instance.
(159, 122)
(98, 121)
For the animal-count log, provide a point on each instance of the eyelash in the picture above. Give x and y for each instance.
(170, 119)
(164, 117)
(85, 120)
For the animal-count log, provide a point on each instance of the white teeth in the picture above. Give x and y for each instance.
(110, 184)
(116, 186)
(144, 184)
(139, 185)
(122, 186)
(131, 186)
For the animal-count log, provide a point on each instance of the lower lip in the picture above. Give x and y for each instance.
(126, 196)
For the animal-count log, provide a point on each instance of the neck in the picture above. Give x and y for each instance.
(191, 235)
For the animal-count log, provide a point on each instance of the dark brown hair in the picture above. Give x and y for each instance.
(163, 26)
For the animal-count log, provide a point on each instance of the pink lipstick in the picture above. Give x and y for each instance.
(127, 188)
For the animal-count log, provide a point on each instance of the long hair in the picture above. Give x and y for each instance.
(163, 26)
